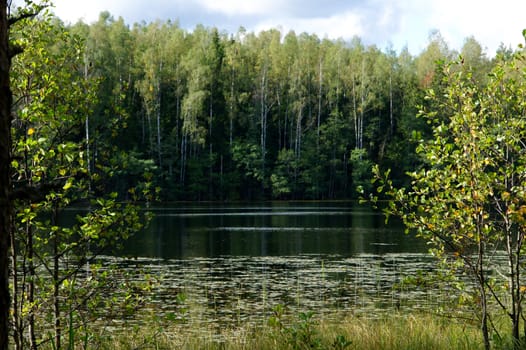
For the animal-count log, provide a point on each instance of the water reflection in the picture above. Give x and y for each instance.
(272, 229)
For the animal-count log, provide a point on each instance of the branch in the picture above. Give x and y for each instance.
(14, 50)
(37, 193)
(496, 298)
(24, 15)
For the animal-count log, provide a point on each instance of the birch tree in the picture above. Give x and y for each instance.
(152, 55)
(469, 199)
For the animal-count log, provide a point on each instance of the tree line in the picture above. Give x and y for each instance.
(217, 116)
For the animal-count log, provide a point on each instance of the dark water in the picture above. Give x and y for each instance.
(276, 229)
(233, 263)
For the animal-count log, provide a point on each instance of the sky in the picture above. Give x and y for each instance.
(385, 23)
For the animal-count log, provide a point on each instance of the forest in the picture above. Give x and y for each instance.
(210, 115)
(106, 116)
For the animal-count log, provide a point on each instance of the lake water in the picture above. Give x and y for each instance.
(343, 229)
(232, 263)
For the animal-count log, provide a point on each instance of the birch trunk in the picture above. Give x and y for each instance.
(159, 148)
(362, 108)
(320, 87)
(391, 113)
(158, 111)
(231, 116)
(182, 174)
(263, 119)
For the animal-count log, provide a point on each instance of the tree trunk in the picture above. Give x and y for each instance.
(158, 114)
(150, 137)
(231, 116)
(391, 113)
(31, 287)
(518, 302)
(484, 321)
(87, 136)
(320, 90)
(362, 108)
(56, 283)
(263, 119)
(512, 285)
(210, 145)
(482, 289)
(17, 323)
(182, 172)
(5, 179)
(355, 115)
(297, 143)
(514, 257)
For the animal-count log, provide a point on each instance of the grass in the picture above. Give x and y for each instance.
(411, 332)
(407, 332)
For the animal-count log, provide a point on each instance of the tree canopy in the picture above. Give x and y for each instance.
(218, 116)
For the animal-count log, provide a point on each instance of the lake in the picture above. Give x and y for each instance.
(232, 263)
(344, 229)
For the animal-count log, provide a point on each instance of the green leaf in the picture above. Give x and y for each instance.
(68, 185)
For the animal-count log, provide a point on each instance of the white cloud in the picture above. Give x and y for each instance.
(344, 25)
(400, 22)
(410, 26)
(71, 11)
(131, 10)
(241, 7)
(489, 22)
(387, 15)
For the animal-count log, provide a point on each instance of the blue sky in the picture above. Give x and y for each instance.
(395, 23)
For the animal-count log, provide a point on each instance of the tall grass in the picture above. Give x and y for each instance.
(408, 332)
(394, 332)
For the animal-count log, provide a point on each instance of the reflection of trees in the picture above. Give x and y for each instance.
(284, 231)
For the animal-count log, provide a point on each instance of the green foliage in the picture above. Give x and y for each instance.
(466, 200)
(283, 177)
(341, 343)
(304, 332)
(56, 283)
(248, 158)
(361, 167)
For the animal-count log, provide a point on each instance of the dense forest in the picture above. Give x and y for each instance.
(209, 115)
